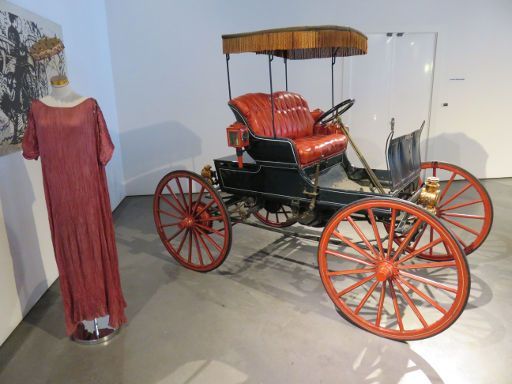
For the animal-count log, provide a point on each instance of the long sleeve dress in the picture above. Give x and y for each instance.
(74, 145)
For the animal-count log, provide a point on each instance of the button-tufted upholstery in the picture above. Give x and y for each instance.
(293, 120)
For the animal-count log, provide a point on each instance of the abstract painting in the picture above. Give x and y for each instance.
(21, 78)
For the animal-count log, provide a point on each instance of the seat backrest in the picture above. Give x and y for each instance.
(292, 117)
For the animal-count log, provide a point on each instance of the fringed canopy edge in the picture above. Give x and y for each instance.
(297, 43)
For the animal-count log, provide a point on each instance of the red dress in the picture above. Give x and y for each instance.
(74, 146)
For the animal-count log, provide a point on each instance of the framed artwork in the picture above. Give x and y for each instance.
(22, 79)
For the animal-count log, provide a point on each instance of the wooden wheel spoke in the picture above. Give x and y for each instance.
(351, 272)
(208, 237)
(453, 197)
(181, 208)
(462, 226)
(411, 304)
(363, 237)
(406, 240)
(207, 206)
(460, 240)
(347, 257)
(463, 216)
(354, 246)
(277, 218)
(391, 237)
(447, 187)
(178, 207)
(196, 204)
(366, 297)
(376, 233)
(430, 282)
(190, 194)
(209, 229)
(204, 245)
(185, 205)
(423, 295)
(170, 224)
(381, 303)
(169, 239)
(169, 214)
(189, 246)
(354, 286)
(419, 237)
(438, 264)
(461, 205)
(420, 250)
(396, 307)
(198, 248)
(183, 240)
(431, 249)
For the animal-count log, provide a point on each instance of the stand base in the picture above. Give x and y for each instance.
(83, 336)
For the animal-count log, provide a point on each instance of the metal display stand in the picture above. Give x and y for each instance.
(98, 335)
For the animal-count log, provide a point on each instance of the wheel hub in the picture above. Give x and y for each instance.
(384, 271)
(187, 222)
(204, 217)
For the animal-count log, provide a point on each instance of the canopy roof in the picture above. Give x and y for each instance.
(298, 43)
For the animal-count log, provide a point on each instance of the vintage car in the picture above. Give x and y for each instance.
(392, 254)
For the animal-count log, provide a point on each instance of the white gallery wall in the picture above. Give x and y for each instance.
(171, 89)
(27, 264)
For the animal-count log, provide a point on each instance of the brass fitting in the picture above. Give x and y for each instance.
(429, 195)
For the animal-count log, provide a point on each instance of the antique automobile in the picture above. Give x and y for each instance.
(392, 253)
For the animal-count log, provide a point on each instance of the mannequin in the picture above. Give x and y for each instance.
(62, 95)
(69, 133)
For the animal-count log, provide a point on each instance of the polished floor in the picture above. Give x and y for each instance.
(262, 317)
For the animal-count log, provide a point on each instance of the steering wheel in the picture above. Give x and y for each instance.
(337, 110)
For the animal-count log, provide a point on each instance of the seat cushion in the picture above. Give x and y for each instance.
(292, 118)
(313, 148)
(294, 121)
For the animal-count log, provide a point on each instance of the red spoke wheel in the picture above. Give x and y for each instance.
(276, 215)
(382, 285)
(464, 207)
(192, 221)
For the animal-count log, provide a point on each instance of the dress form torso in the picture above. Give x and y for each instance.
(62, 96)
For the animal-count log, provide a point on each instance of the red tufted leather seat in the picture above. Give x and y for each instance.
(293, 120)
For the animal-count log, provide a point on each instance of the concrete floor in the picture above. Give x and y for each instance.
(262, 317)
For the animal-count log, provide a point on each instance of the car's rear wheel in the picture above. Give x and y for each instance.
(276, 215)
(464, 207)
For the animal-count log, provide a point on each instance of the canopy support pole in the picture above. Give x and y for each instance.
(286, 73)
(333, 61)
(229, 81)
(270, 58)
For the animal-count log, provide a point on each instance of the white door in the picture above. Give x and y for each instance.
(393, 80)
